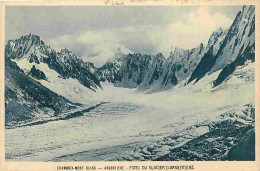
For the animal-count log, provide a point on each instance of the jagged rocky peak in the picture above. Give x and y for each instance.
(184, 55)
(65, 51)
(159, 57)
(251, 12)
(29, 44)
(248, 12)
(179, 51)
(178, 54)
(183, 62)
(65, 55)
(242, 20)
(199, 49)
(214, 37)
(240, 35)
(24, 41)
(201, 46)
(229, 45)
(35, 39)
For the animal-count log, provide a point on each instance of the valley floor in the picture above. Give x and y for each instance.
(143, 126)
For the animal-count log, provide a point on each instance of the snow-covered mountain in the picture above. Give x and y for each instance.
(185, 61)
(41, 82)
(167, 72)
(30, 51)
(126, 71)
(229, 47)
(151, 71)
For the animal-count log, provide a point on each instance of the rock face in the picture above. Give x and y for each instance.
(133, 70)
(126, 71)
(36, 73)
(242, 59)
(214, 145)
(25, 97)
(245, 149)
(239, 41)
(64, 62)
(157, 74)
(185, 61)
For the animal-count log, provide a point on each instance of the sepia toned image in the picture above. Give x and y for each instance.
(129, 83)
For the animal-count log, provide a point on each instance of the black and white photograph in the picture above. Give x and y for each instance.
(129, 83)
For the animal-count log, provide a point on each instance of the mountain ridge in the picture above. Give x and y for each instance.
(144, 71)
(64, 62)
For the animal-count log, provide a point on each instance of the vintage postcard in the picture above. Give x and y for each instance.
(129, 85)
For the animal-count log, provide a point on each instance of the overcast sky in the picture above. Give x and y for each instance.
(96, 32)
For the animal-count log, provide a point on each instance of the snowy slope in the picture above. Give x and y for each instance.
(27, 99)
(69, 88)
